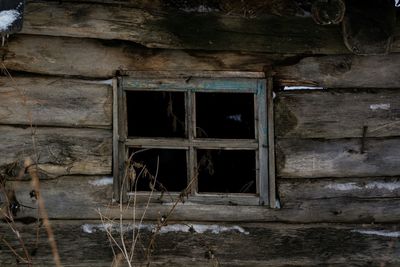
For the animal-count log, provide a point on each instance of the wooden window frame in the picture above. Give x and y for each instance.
(190, 84)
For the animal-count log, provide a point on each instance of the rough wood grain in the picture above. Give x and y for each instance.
(246, 9)
(264, 245)
(101, 59)
(60, 151)
(313, 158)
(337, 113)
(53, 101)
(177, 30)
(373, 188)
(80, 197)
(345, 71)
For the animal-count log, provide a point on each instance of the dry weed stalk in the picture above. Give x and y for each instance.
(124, 253)
(31, 168)
(111, 224)
(7, 212)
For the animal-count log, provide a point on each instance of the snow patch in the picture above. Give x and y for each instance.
(202, 228)
(354, 186)
(288, 88)
(102, 181)
(106, 82)
(7, 17)
(387, 186)
(378, 232)
(343, 187)
(379, 106)
(173, 228)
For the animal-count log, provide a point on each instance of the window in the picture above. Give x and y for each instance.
(206, 131)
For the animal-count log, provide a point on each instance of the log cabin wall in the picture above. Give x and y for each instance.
(337, 149)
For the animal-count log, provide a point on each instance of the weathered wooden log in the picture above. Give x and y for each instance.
(79, 244)
(337, 113)
(248, 9)
(101, 59)
(343, 72)
(175, 30)
(313, 158)
(368, 188)
(58, 151)
(83, 197)
(55, 102)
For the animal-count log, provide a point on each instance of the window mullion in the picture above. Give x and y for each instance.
(191, 122)
(122, 129)
(167, 143)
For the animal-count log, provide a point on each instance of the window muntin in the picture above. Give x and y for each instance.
(186, 103)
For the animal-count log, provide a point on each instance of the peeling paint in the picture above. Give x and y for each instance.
(173, 228)
(102, 181)
(379, 106)
(384, 233)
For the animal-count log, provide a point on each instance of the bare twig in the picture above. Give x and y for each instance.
(43, 212)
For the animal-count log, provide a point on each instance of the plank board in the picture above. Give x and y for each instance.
(53, 101)
(80, 197)
(101, 59)
(262, 245)
(337, 113)
(345, 71)
(177, 30)
(60, 151)
(313, 158)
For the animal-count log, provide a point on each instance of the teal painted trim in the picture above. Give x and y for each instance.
(195, 84)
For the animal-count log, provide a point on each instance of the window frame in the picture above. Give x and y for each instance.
(190, 83)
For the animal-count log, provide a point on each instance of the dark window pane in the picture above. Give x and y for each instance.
(156, 114)
(172, 175)
(225, 115)
(226, 171)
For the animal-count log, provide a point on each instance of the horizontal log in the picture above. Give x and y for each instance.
(59, 151)
(248, 9)
(373, 188)
(82, 197)
(337, 113)
(177, 30)
(265, 245)
(55, 102)
(101, 59)
(313, 158)
(346, 71)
